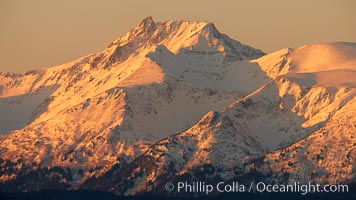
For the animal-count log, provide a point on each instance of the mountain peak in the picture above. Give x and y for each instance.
(211, 28)
(146, 23)
(147, 19)
(180, 36)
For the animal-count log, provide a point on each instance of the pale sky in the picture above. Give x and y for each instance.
(41, 33)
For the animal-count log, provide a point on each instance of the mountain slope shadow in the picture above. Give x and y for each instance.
(21, 110)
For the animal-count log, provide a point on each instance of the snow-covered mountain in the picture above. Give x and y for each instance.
(109, 107)
(179, 100)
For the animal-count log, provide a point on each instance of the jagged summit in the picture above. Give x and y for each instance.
(147, 22)
(178, 35)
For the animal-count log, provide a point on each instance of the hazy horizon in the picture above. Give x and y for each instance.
(39, 33)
